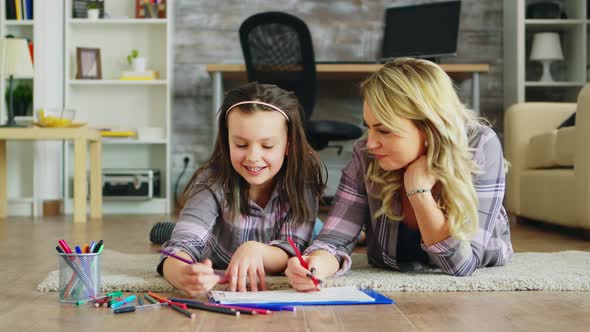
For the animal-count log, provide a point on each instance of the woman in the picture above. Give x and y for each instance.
(427, 182)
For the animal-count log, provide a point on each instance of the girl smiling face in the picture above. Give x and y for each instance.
(257, 146)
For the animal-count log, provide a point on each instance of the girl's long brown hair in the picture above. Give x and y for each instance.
(301, 170)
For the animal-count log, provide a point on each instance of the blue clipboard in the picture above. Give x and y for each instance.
(379, 299)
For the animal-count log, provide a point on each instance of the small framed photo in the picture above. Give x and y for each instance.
(88, 63)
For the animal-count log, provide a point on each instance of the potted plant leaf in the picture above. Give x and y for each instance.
(93, 11)
(22, 98)
(138, 63)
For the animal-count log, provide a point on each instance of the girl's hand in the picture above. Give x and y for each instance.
(247, 262)
(194, 279)
(300, 277)
(417, 175)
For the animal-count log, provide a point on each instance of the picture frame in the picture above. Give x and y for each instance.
(88, 64)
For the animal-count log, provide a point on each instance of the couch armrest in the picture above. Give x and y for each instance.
(521, 122)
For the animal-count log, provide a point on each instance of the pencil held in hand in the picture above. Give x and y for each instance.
(169, 254)
(302, 261)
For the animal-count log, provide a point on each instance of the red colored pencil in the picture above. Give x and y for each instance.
(303, 263)
(240, 308)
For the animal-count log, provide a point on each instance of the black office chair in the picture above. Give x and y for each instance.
(278, 50)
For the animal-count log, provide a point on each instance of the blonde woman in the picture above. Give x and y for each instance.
(427, 182)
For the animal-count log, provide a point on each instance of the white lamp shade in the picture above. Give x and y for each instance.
(15, 58)
(546, 46)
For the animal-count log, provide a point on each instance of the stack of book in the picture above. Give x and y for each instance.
(117, 133)
(140, 75)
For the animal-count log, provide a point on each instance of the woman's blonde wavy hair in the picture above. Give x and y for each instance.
(421, 91)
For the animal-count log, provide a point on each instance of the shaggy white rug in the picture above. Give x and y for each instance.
(559, 271)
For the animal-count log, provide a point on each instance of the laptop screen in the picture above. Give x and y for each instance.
(422, 31)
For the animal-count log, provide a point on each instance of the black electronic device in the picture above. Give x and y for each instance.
(137, 184)
(422, 31)
(550, 9)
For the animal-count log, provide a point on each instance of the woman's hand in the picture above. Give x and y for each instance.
(417, 175)
(300, 277)
(194, 279)
(247, 262)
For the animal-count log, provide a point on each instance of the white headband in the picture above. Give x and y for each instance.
(257, 103)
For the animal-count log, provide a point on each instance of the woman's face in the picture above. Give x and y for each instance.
(257, 146)
(393, 150)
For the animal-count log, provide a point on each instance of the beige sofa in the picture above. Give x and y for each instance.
(549, 177)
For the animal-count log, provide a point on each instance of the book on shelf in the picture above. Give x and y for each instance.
(140, 75)
(150, 8)
(19, 9)
(106, 132)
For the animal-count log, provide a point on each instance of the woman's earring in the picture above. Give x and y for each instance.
(425, 144)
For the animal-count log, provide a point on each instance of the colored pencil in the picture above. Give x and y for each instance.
(203, 306)
(169, 254)
(149, 298)
(242, 309)
(183, 311)
(303, 263)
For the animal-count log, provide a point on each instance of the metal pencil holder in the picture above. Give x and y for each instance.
(79, 276)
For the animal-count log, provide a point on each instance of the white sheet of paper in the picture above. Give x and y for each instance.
(333, 294)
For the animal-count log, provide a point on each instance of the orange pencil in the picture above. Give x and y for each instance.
(166, 300)
(86, 248)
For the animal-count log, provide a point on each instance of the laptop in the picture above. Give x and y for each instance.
(421, 31)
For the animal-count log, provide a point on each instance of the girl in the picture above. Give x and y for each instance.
(260, 186)
(427, 181)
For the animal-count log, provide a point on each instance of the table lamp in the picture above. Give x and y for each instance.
(15, 60)
(546, 48)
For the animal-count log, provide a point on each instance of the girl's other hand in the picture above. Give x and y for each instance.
(247, 263)
(300, 277)
(194, 279)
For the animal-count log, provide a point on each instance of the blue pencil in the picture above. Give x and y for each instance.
(272, 307)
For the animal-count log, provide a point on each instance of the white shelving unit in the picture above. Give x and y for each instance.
(126, 105)
(20, 163)
(521, 75)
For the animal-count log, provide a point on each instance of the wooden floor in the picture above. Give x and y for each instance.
(27, 253)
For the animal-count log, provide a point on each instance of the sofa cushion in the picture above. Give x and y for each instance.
(565, 144)
(552, 149)
(548, 195)
(540, 152)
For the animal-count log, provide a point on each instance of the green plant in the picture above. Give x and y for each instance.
(22, 98)
(21, 93)
(92, 5)
(134, 54)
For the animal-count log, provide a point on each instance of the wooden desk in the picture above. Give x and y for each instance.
(81, 137)
(343, 71)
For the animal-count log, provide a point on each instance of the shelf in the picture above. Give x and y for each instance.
(553, 21)
(20, 78)
(553, 84)
(554, 25)
(133, 141)
(20, 200)
(123, 141)
(121, 104)
(117, 82)
(19, 22)
(136, 21)
(121, 206)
